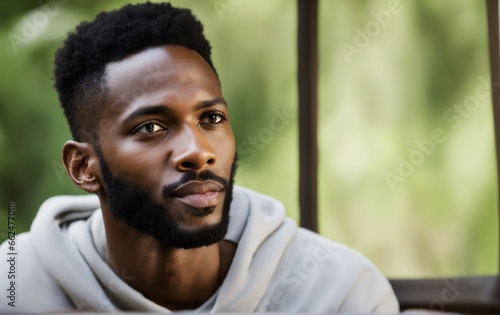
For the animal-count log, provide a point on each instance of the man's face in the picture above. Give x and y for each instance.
(167, 151)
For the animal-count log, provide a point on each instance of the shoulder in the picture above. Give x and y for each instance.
(29, 285)
(28, 281)
(322, 275)
(312, 244)
(313, 274)
(314, 252)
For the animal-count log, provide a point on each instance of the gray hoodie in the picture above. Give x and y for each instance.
(60, 265)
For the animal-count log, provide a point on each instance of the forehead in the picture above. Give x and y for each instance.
(167, 71)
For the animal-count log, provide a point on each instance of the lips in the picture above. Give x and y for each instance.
(199, 194)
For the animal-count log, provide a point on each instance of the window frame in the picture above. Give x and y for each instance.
(470, 295)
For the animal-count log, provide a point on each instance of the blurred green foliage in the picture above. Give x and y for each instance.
(407, 64)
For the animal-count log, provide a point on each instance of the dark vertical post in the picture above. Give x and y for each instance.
(494, 40)
(308, 112)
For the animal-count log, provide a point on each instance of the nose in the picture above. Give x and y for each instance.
(194, 152)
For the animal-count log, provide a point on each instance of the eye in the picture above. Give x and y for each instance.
(149, 128)
(213, 119)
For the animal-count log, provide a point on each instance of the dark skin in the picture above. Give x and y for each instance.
(171, 118)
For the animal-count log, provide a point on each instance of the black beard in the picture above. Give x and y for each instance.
(138, 210)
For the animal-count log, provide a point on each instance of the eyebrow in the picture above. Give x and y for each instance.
(149, 110)
(163, 110)
(210, 103)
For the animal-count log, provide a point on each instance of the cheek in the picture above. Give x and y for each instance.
(132, 162)
(225, 149)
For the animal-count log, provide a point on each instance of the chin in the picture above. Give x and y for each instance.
(195, 218)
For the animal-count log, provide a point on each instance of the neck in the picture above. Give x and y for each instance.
(171, 277)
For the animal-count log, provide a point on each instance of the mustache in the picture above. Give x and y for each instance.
(167, 190)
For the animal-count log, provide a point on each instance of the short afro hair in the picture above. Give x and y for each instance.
(81, 61)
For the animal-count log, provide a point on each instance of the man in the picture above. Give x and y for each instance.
(164, 229)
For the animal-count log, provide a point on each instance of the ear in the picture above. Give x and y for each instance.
(82, 165)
